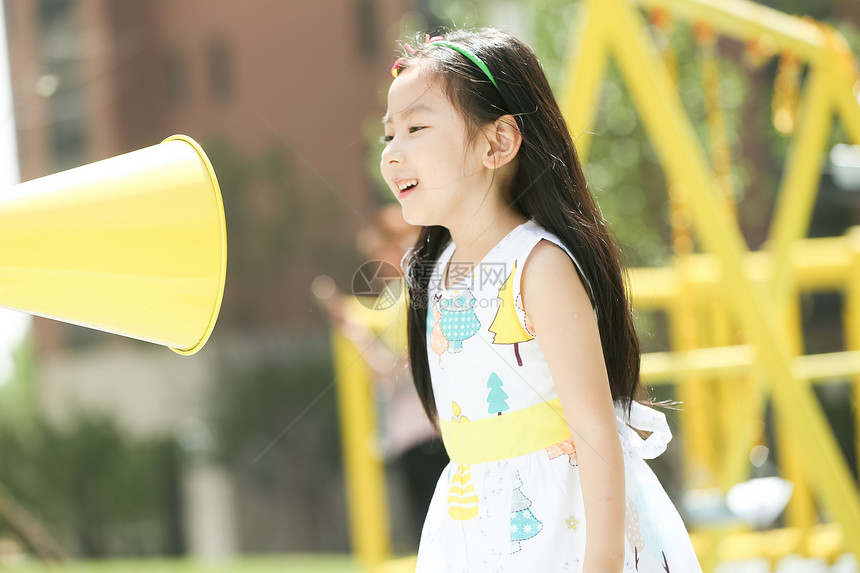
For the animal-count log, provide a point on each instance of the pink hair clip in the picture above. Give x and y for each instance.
(395, 69)
(399, 62)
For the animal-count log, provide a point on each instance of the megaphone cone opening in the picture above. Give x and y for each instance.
(216, 188)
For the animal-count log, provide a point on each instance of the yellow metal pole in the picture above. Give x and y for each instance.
(694, 416)
(819, 264)
(585, 69)
(747, 430)
(800, 511)
(740, 405)
(852, 326)
(845, 79)
(363, 471)
(717, 138)
(793, 212)
(681, 153)
(830, 365)
(848, 108)
(724, 395)
(683, 328)
(774, 543)
(670, 367)
(796, 195)
(744, 20)
(727, 387)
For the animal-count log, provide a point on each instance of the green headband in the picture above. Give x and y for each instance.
(469, 54)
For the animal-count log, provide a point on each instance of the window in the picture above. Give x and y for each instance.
(220, 71)
(53, 12)
(60, 59)
(368, 35)
(176, 79)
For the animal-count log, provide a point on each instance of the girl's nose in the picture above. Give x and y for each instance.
(392, 153)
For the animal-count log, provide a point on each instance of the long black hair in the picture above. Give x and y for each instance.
(548, 186)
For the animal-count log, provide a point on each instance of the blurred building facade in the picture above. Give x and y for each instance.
(297, 80)
(283, 97)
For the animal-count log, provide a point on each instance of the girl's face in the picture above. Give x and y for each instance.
(428, 162)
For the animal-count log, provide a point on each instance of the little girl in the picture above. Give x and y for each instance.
(521, 337)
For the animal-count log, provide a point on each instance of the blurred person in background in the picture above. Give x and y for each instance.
(407, 440)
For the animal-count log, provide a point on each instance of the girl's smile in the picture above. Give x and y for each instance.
(405, 186)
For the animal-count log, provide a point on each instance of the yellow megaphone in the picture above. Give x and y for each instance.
(135, 245)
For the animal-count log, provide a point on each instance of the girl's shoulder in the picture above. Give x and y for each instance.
(530, 235)
(529, 242)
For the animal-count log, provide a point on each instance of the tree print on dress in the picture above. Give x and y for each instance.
(506, 325)
(566, 447)
(462, 499)
(458, 320)
(497, 398)
(438, 342)
(527, 320)
(632, 531)
(524, 524)
(636, 538)
(652, 513)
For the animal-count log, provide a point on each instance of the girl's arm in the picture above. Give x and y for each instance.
(566, 329)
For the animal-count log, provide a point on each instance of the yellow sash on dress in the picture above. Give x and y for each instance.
(507, 436)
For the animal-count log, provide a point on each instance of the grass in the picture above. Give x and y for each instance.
(274, 564)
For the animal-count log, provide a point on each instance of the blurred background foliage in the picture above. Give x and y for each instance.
(274, 424)
(101, 491)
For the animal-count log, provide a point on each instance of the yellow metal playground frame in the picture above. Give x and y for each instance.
(758, 290)
(767, 313)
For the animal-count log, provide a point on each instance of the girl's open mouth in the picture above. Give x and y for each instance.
(407, 186)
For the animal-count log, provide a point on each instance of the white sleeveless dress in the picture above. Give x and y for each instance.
(523, 513)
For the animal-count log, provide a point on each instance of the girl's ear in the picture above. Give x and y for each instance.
(505, 139)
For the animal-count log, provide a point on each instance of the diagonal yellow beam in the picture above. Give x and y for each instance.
(792, 214)
(799, 186)
(585, 68)
(681, 154)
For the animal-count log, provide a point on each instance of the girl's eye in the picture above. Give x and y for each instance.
(387, 138)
